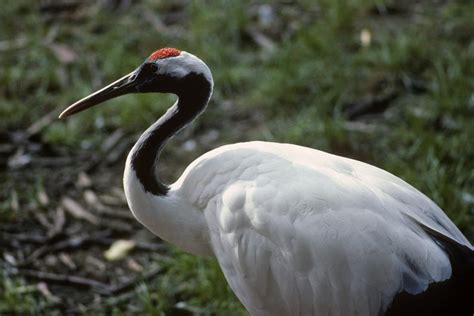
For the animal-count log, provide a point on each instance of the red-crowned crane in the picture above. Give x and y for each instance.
(296, 231)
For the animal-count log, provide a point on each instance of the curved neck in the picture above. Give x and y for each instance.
(194, 92)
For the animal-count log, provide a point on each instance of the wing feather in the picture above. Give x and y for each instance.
(305, 232)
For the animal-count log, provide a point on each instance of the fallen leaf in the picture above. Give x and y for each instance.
(76, 210)
(93, 200)
(14, 203)
(43, 197)
(365, 38)
(119, 193)
(119, 249)
(90, 260)
(19, 159)
(67, 261)
(134, 265)
(43, 220)
(42, 122)
(9, 258)
(83, 180)
(59, 221)
(63, 53)
(44, 290)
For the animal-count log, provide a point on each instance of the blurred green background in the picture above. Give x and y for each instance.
(387, 82)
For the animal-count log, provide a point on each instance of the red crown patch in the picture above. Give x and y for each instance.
(164, 53)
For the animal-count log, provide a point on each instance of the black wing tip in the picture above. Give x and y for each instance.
(449, 297)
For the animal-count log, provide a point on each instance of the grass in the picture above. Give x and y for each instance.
(189, 283)
(299, 89)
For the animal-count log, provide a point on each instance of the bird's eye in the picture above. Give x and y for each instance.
(149, 68)
(145, 72)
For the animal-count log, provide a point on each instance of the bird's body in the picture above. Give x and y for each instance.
(296, 231)
(312, 231)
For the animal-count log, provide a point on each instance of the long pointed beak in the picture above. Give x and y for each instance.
(126, 84)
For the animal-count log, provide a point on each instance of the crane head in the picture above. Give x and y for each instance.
(163, 71)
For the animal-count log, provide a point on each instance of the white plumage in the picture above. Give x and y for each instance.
(296, 231)
(299, 231)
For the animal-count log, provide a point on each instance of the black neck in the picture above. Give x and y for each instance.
(193, 93)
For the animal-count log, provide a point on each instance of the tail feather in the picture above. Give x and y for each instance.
(454, 296)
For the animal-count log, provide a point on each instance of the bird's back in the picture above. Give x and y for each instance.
(300, 231)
